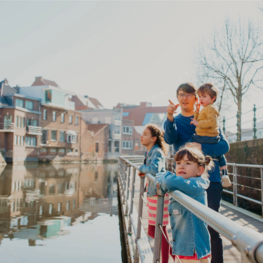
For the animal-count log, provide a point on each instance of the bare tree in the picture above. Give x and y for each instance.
(234, 58)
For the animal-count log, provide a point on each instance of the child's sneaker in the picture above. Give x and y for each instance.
(225, 179)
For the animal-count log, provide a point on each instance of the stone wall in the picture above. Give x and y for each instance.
(246, 152)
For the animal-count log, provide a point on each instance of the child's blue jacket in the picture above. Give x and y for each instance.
(155, 163)
(189, 232)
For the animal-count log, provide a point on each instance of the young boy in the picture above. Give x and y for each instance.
(207, 126)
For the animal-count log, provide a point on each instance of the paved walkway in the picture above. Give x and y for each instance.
(231, 254)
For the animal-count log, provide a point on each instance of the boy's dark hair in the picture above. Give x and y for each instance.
(188, 87)
(208, 88)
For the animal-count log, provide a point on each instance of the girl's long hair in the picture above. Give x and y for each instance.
(197, 156)
(159, 133)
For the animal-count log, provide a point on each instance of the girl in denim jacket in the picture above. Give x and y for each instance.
(152, 139)
(191, 240)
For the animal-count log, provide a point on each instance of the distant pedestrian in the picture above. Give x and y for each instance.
(191, 239)
(152, 139)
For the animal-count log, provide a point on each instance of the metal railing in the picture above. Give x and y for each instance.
(250, 117)
(237, 184)
(34, 130)
(7, 126)
(248, 242)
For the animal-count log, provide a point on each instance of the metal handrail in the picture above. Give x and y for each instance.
(247, 241)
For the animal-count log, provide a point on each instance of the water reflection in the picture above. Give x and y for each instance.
(37, 202)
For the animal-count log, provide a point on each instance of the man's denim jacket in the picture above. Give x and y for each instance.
(190, 234)
(155, 163)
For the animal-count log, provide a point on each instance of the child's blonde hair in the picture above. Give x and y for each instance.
(159, 133)
(197, 156)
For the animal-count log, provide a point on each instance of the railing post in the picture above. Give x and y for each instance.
(235, 185)
(128, 189)
(261, 173)
(139, 222)
(255, 123)
(224, 125)
(132, 197)
(159, 222)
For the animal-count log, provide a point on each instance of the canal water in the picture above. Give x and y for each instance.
(60, 213)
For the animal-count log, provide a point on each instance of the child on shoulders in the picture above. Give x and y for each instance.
(207, 126)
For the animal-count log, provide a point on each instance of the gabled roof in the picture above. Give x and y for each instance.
(138, 114)
(96, 103)
(96, 128)
(39, 81)
(85, 103)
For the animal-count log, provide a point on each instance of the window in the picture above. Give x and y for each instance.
(24, 123)
(61, 150)
(40, 210)
(97, 147)
(29, 105)
(59, 207)
(74, 204)
(94, 120)
(43, 150)
(53, 150)
(31, 141)
(70, 119)
(72, 138)
(127, 129)
(17, 120)
(22, 140)
(44, 136)
(19, 103)
(51, 189)
(48, 96)
(53, 135)
(67, 206)
(15, 142)
(50, 208)
(61, 136)
(60, 189)
(77, 120)
(44, 114)
(125, 114)
(62, 117)
(108, 120)
(117, 130)
(18, 140)
(54, 116)
(20, 122)
(109, 146)
(31, 122)
(127, 145)
(116, 146)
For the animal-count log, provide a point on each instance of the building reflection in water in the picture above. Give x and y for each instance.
(37, 201)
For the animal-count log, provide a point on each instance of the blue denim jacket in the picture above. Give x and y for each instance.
(155, 163)
(189, 232)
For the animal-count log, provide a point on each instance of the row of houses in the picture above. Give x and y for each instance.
(44, 122)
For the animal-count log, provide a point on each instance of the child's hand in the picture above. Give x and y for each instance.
(141, 174)
(197, 107)
(194, 121)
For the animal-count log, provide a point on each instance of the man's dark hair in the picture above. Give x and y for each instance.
(188, 87)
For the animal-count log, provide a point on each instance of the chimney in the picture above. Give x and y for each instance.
(145, 104)
(6, 82)
(39, 79)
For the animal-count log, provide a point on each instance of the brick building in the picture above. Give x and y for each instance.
(20, 130)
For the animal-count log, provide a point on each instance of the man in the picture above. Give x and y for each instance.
(178, 131)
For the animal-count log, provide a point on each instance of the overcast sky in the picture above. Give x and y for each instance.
(115, 51)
